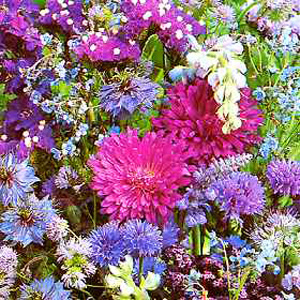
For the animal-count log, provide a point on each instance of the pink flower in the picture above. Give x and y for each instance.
(192, 118)
(139, 176)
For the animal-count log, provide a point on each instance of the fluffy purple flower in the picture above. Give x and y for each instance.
(142, 238)
(238, 194)
(16, 179)
(225, 13)
(284, 177)
(107, 245)
(122, 99)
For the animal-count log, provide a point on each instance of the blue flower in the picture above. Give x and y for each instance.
(26, 223)
(142, 238)
(46, 38)
(236, 242)
(68, 148)
(259, 94)
(108, 245)
(150, 264)
(269, 144)
(16, 179)
(123, 98)
(46, 289)
(170, 234)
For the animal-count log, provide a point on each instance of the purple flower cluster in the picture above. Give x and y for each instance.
(172, 23)
(284, 177)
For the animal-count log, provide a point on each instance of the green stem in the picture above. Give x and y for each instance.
(196, 240)
(141, 267)
(286, 62)
(243, 13)
(251, 60)
(227, 269)
(95, 211)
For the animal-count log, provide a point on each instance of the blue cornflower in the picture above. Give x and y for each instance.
(142, 238)
(150, 264)
(108, 245)
(123, 98)
(170, 234)
(16, 179)
(46, 289)
(26, 223)
(259, 94)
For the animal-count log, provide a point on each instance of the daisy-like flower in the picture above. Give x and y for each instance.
(108, 245)
(238, 194)
(142, 238)
(224, 13)
(16, 179)
(26, 223)
(192, 118)
(284, 177)
(139, 177)
(8, 265)
(46, 289)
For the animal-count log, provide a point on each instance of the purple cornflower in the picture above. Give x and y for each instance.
(108, 245)
(123, 98)
(57, 228)
(67, 178)
(26, 223)
(284, 177)
(142, 238)
(8, 266)
(46, 289)
(238, 194)
(16, 179)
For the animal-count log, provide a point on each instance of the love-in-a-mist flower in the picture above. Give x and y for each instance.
(139, 176)
(46, 289)
(192, 118)
(16, 179)
(26, 222)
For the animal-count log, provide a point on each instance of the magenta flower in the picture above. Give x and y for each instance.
(139, 177)
(192, 118)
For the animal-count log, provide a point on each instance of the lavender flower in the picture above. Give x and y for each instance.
(123, 98)
(108, 245)
(142, 238)
(67, 178)
(46, 289)
(238, 194)
(16, 179)
(26, 223)
(284, 177)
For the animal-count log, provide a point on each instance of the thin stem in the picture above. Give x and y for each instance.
(95, 210)
(141, 267)
(227, 269)
(196, 240)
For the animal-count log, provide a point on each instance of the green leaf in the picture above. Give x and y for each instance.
(294, 153)
(64, 89)
(154, 51)
(285, 201)
(4, 99)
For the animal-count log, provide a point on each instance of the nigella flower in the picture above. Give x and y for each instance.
(139, 177)
(284, 177)
(123, 98)
(108, 245)
(46, 289)
(193, 119)
(26, 222)
(16, 179)
(238, 194)
(8, 267)
(142, 238)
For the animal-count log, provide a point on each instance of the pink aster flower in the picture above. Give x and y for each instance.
(192, 118)
(139, 176)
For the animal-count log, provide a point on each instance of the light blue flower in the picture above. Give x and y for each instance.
(259, 94)
(68, 148)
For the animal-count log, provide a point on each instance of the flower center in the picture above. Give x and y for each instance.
(26, 217)
(6, 177)
(143, 180)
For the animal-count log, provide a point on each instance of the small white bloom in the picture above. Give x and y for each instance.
(70, 22)
(147, 15)
(117, 51)
(93, 47)
(179, 34)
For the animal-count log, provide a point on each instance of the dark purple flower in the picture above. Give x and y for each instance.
(284, 177)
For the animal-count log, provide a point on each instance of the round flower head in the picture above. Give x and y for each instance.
(16, 179)
(46, 289)
(107, 245)
(26, 223)
(284, 176)
(139, 177)
(142, 238)
(238, 194)
(193, 118)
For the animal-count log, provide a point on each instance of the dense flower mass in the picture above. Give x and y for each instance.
(192, 118)
(16, 179)
(284, 177)
(139, 177)
(238, 194)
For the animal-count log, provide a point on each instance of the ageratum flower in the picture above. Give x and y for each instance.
(284, 177)
(46, 289)
(238, 194)
(193, 118)
(142, 238)
(123, 98)
(16, 179)
(139, 177)
(108, 245)
(26, 222)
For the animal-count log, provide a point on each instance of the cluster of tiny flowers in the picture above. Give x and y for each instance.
(173, 24)
(75, 256)
(8, 265)
(284, 177)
